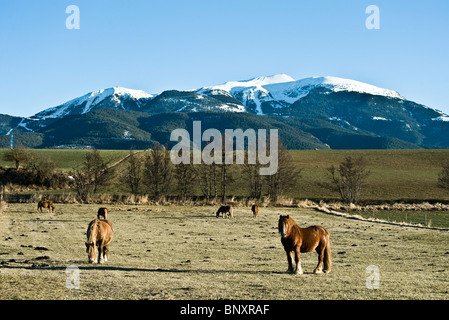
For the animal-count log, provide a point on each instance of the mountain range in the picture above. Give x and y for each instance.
(311, 113)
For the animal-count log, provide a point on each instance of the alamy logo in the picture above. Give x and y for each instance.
(73, 277)
(372, 22)
(73, 20)
(373, 278)
(220, 149)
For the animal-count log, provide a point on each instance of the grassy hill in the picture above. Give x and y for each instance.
(396, 175)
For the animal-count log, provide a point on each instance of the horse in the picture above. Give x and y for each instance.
(102, 213)
(255, 210)
(296, 240)
(225, 210)
(99, 235)
(45, 204)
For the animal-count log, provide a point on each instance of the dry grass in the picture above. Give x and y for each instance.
(184, 252)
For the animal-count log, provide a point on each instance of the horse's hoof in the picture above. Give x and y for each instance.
(317, 271)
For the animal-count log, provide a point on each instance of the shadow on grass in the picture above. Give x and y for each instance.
(124, 269)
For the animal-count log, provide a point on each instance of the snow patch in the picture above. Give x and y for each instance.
(93, 98)
(441, 118)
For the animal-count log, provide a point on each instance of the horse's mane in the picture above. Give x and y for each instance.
(288, 220)
(93, 231)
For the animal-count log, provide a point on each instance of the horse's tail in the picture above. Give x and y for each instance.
(327, 256)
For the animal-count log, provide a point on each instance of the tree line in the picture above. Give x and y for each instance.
(152, 173)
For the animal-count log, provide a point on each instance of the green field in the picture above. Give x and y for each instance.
(396, 175)
(68, 159)
(184, 252)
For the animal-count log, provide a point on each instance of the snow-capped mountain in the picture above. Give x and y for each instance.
(335, 112)
(282, 90)
(276, 91)
(116, 97)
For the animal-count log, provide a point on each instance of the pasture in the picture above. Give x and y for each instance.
(396, 175)
(185, 252)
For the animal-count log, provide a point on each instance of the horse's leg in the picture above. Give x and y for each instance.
(298, 269)
(290, 262)
(320, 251)
(106, 253)
(100, 252)
(95, 258)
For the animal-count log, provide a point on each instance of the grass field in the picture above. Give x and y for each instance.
(184, 252)
(396, 175)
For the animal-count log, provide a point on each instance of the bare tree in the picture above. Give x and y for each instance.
(96, 169)
(286, 177)
(93, 173)
(349, 178)
(226, 176)
(443, 177)
(83, 184)
(206, 175)
(254, 178)
(20, 156)
(185, 174)
(158, 170)
(45, 172)
(133, 175)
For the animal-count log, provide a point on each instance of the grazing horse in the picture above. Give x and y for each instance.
(255, 210)
(102, 213)
(225, 210)
(296, 240)
(99, 235)
(45, 204)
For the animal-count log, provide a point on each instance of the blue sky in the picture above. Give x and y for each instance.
(159, 45)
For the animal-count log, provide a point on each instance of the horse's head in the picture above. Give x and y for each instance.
(91, 252)
(284, 225)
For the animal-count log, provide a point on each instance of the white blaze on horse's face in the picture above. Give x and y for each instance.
(284, 229)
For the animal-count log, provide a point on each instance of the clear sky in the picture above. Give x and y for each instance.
(159, 45)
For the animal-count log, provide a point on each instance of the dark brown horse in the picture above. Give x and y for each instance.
(296, 240)
(255, 210)
(102, 213)
(99, 235)
(46, 204)
(225, 211)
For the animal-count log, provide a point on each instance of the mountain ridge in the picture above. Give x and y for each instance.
(366, 115)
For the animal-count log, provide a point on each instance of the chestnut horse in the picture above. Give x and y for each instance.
(296, 240)
(45, 204)
(225, 210)
(255, 210)
(102, 213)
(99, 235)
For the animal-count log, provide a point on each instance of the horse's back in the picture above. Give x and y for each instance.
(104, 231)
(312, 237)
(107, 230)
